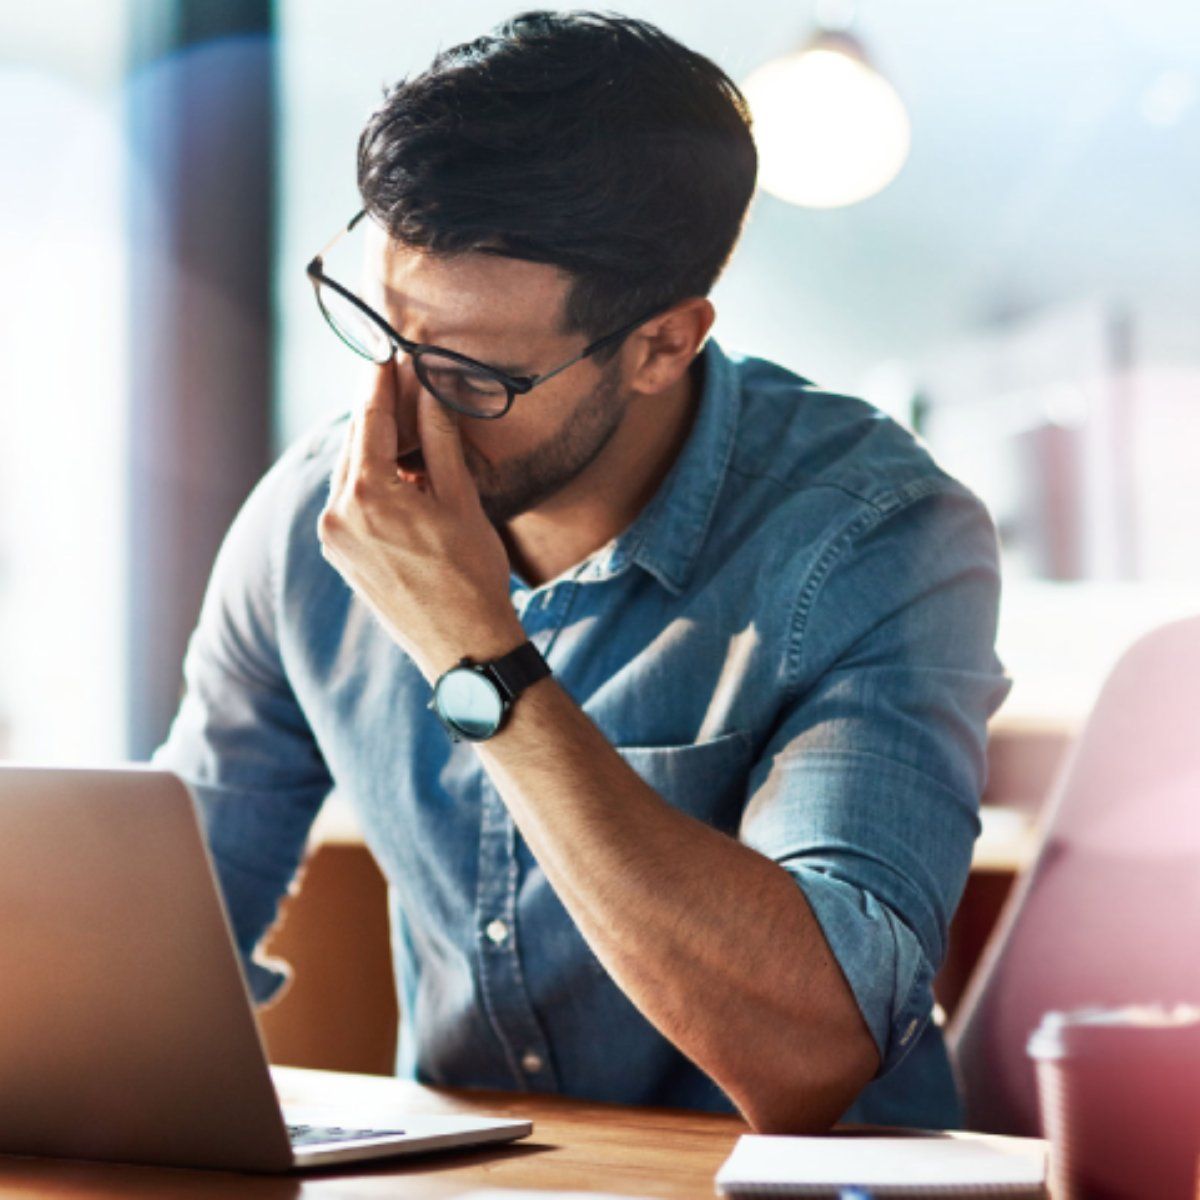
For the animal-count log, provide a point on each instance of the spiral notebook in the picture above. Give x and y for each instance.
(919, 1165)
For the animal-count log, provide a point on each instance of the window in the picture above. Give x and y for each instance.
(62, 373)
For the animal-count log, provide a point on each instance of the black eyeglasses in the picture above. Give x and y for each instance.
(461, 383)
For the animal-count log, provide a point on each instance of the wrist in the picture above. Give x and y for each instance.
(474, 698)
(481, 642)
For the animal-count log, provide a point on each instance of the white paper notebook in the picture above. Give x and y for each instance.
(917, 1165)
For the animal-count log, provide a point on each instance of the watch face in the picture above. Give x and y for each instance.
(469, 702)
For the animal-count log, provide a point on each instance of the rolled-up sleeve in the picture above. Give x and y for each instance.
(240, 740)
(868, 793)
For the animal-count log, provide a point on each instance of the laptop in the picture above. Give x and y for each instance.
(126, 1029)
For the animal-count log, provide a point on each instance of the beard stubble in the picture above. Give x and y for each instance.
(530, 479)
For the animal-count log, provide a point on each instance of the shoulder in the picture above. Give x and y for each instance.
(820, 483)
(800, 437)
(808, 469)
(297, 484)
(276, 524)
(306, 465)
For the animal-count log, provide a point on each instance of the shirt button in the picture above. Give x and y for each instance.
(531, 1062)
(497, 931)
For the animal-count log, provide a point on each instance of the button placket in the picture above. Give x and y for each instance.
(501, 980)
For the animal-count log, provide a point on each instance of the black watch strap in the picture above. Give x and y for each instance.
(518, 669)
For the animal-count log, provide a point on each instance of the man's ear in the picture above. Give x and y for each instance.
(662, 349)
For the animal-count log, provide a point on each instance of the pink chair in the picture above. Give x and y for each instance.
(1109, 912)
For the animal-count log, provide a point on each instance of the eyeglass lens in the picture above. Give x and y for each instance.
(468, 390)
(455, 384)
(353, 326)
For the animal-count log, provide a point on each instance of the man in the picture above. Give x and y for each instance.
(689, 826)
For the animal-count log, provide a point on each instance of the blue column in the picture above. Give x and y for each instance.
(201, 122)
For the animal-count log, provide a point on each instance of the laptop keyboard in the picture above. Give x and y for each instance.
(311, 1135)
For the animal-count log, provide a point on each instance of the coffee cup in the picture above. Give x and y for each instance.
(1119, 1093)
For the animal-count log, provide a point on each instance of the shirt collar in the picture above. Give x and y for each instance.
(666, 536)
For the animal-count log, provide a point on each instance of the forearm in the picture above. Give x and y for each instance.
(714, 943)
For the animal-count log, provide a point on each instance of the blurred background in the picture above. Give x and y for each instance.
(1024, 293)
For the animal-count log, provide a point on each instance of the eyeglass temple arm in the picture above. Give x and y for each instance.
(607, 340)
(315, 267)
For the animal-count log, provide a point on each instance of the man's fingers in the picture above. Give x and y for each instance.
(373, 440)
(376, 440)
(441, 445)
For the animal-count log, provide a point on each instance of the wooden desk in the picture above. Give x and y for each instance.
(576, 1146)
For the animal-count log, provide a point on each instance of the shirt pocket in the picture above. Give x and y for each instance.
(707, 780)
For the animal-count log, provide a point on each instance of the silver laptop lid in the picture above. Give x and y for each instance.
(113, 1043)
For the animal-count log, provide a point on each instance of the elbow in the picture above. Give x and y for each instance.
(782, 1121)
(814, 1102)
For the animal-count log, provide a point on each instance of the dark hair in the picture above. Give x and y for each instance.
(589, 141)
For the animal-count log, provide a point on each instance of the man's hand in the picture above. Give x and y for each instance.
(421, 554)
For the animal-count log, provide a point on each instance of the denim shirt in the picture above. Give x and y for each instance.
(792, 642)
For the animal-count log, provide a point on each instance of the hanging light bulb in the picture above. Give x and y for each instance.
(830, 129)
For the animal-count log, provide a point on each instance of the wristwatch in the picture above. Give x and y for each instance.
(472, 700)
